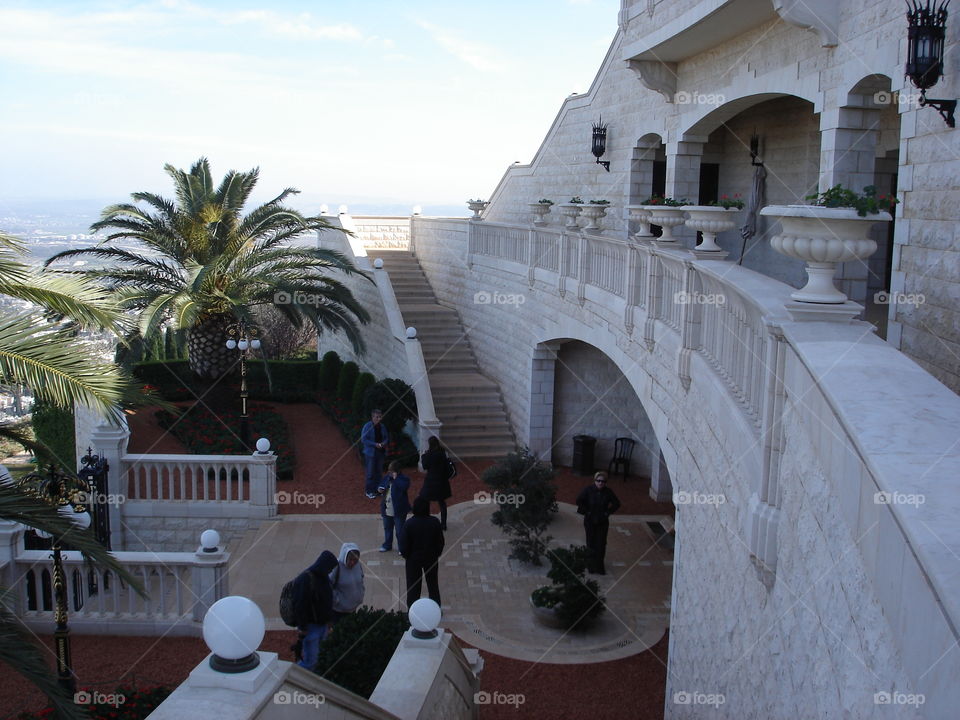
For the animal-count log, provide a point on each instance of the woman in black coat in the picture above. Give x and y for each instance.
(424, 540)
(436, 485)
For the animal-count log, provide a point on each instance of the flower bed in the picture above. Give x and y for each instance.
(206, 433)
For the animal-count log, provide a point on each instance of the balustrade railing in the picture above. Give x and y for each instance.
(607, 263)
(546, 250)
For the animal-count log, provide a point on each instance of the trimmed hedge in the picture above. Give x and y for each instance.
(137, 704)
(293, 380)
(329, 372)
(360, 387)
(356, 652)
(53, 426)
(345, 382)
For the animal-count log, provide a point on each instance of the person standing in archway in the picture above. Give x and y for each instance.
(597, 503)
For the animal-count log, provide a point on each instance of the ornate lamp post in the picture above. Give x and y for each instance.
(68, 494)
(243, 338)
(925, 40)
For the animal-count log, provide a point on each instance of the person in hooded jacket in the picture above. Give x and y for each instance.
(424, 546)
(346, 580)
(313, 600)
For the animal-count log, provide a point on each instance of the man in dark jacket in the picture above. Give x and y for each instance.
(424, 545)
(374, 439)
(313, 601)
(394, 507)
(597, 503)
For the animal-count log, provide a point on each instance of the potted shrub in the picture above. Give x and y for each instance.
(667, 212)
(571, 601)
(527, 501)
(540, 209)
(571, 210)
(717, 217)
(832, 230)
(477, 206)
(594, 211)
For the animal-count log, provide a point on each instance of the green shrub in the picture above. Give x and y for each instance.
(330, 372)
(526, 505)
(169, 344)
(360, 387)
(577, 600)
(346, 381)
(357, 650)
(53, 427)
(172, 379)
(395, 398)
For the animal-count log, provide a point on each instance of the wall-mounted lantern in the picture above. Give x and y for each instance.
(599, 144)
(926, 32)
(755, 150)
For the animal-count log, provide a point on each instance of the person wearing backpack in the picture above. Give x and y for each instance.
(394, 507)
(313, 606)
(436, 484)
(346, 581)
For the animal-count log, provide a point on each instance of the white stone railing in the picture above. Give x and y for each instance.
(388, 231)
(196, 480)
(180, 586)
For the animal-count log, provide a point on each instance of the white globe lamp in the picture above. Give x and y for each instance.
(263, 446)
(411, 332)
(210, 540)
(233, 629)
(425, 618)
(378, 263)
(231, 344)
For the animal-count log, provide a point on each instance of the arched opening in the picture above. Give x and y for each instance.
(648, 174)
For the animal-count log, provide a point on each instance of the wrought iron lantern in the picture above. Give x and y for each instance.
(926, 33)
(599, 145)
(243, 337)
(755, 150)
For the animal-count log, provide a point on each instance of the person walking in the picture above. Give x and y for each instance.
(394, 507)
(346, 582)
(436, 484)
(313, 601)
(424, 545)
(373, 440)
(597, 503)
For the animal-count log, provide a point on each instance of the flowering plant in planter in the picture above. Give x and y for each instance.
(727, 202)
(667, 201)
(866, 203)
(599, 202)
(544, 201)
(575, 200)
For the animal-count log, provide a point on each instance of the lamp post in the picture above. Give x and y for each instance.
(926, 33)
(243, 338)
(68, 494)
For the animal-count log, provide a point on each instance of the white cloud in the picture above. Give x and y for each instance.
(476, 55)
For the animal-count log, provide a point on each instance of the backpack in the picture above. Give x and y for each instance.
(289, 613)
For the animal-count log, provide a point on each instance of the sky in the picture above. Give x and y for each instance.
(375, 102)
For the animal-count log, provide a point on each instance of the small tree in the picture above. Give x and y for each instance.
(527, 501)
(576, 599)
(329, 372)
(169, 344)
(395, 398)
(360, 387)
(345, 383)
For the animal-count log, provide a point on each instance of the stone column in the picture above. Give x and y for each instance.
(661, 489)
(110, 442)
(542, 371)
(848, 148)
(683, 177)
(208, 579)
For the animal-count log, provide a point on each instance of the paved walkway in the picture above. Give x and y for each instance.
(485, 595)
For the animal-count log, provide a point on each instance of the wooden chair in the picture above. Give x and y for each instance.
(622, 451)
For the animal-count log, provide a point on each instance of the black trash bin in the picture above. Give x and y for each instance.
(583, 447)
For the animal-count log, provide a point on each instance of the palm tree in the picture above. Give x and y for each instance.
(41, 349)
(199, 264)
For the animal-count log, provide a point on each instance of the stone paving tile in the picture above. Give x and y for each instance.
(485, 595)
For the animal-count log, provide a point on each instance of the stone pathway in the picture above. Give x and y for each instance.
(485, 595)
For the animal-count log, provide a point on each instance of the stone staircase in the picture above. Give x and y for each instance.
(467, 402)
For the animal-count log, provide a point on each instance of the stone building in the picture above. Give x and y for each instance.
(684, 86)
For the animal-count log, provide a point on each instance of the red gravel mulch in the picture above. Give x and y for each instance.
(632, 688)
